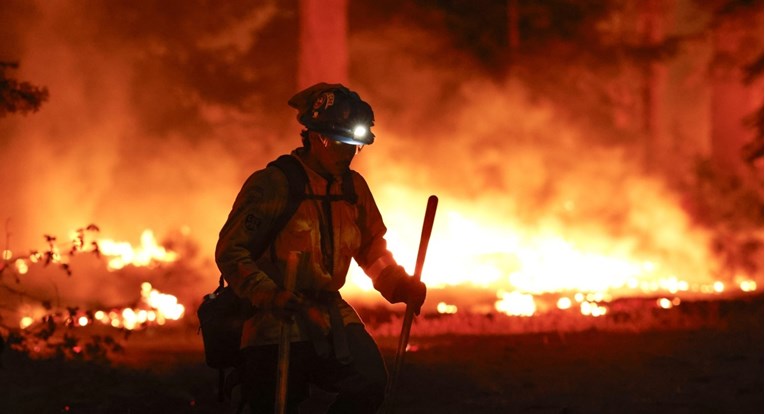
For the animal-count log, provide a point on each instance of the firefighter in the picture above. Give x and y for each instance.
(337, 221)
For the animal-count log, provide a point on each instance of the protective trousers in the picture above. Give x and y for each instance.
(360, 384)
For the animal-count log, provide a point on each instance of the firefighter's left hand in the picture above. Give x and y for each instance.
(412, 292)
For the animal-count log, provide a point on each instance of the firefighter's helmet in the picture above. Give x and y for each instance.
(335, 111)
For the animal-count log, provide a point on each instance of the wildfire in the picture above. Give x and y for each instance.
(118, 253)
(521, 264)
(522, 268)
(154, 308)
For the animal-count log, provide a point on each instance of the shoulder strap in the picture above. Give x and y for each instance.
(296, 182)
(349, 191)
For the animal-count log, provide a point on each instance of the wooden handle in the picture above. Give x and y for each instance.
(282, 369)
(406, 326)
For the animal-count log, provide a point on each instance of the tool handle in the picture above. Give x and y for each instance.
(406, 326)
(283, 366)
(427, 228)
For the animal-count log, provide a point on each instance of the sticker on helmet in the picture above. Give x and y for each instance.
(319, 102)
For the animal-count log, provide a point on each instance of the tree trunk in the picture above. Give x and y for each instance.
(323, 42)
(654, 83)
(732, 102)
(513, 32)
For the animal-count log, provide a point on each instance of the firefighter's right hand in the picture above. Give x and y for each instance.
(285, 304)
(411, 291)
(282, 303)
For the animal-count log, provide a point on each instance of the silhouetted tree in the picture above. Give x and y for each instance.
(18, 96)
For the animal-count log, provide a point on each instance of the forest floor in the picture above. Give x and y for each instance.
(714, 367)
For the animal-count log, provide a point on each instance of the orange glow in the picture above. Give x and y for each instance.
(123, 253)
(479, 247)
(592, 309)
(445, 308)
(664, 303)
(748, 286)
(25, 322)
(21, 266)
(539, 211)
(564, 303)
(167, 305)
(515, 304)
(119, 254)
(155, 307)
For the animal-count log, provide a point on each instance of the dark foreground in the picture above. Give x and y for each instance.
(716, 369)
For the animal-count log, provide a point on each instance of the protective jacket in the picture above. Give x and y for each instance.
(329, 235)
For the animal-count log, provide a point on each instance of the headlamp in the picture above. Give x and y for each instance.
(359, 131)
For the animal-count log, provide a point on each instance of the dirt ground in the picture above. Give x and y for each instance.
(713, 369)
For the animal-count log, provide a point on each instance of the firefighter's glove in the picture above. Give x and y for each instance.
(282, 303)
(285, 304)
(411, 291)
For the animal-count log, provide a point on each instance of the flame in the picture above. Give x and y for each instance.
(666, 303)
(123, 253)
(25, 322)
(517, 264)
(520, 263)
(592, 309)
(516, 304)
(21, 266)
(445, 308)
(748, 286)
(166, 305)
(155, 308)
(119, 253)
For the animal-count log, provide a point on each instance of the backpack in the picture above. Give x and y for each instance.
(222, 313)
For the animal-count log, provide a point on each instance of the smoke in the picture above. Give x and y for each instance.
(509, 161)
(160, 110)
(157, 113)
